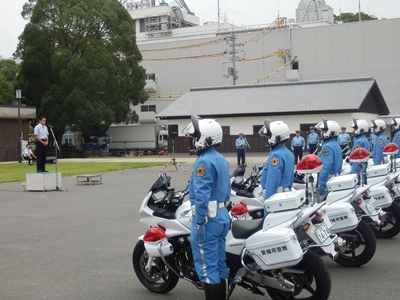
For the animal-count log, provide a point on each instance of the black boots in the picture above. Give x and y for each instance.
(212, 291)
(216, 291)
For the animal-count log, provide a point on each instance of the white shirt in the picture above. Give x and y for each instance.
(28, 152)
(41, 131)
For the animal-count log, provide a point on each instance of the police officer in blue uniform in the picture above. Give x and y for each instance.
(378, 126)
(241, 145)
(372, 140)
(278, 171)
(395, 127)
(360, 127)
(209, 194)
(331, 153)
(298, 145)
(312, 141)
(343, 140)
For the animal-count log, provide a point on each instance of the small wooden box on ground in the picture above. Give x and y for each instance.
(89, 179)
(43, 181)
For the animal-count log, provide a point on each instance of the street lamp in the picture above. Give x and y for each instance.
(18, 97)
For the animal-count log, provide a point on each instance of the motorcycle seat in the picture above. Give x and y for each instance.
(242, 229)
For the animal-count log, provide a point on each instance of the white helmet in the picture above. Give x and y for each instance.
(395, 122)
(207, 133)
(359, 126)
(378, 125)
(329, 128)
(276, 132)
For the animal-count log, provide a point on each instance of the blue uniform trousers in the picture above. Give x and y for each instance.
(313, 148)
(241, 156)
(298, 154)
(209, 257)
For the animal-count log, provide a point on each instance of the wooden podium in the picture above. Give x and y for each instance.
(46, 181)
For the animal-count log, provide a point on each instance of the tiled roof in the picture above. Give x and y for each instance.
(279, 98)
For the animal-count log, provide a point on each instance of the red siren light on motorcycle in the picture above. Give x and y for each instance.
(390, 149)
(309, 164)
(154, 234)
(359, 155)
(239, 210)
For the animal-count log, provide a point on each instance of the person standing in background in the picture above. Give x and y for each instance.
(372, 140)
(241, 145)
(298, 145)
(42, 140)
(343, 140)
(312, 141)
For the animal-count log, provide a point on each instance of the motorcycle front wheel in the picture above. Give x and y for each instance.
(313, 284)
(391, 225)
(361, 246)
(159, 279)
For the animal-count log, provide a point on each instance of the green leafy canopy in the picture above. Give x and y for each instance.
(81, 63)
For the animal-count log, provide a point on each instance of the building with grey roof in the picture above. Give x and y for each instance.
(299, 104)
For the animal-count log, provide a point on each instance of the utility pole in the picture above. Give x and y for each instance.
(218, 15)
(18, 97)
(231, 42)
(359, 10)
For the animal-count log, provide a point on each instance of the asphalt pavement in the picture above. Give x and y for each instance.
(77, 243)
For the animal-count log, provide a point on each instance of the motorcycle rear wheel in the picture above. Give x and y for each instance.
(160, 279)
(313, 284)
(391, 226)
(363, 245)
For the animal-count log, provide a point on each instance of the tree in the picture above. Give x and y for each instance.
(350, 17)
(81, 63)
(9, 71)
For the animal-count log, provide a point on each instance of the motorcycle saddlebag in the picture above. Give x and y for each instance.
(379, 170)
(274, 248)
(344, 182)
(342, 216)
(381, 195)
(285, 201)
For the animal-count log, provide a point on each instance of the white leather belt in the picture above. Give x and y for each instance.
(220, 205)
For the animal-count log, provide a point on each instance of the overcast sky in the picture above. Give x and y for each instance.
(238, 12)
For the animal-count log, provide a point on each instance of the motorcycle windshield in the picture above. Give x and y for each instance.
(162, 180)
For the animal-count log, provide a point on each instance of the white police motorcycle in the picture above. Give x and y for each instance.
(271, 260)
(384, 181)
(355, 244)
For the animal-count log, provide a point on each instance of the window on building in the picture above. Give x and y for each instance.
(295, 65)
(226, 130)
(305, 128)
(325, 15)
(144, 108)
(151, 76)
(142, 27)
(256, 129)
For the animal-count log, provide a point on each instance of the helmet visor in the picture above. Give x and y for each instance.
(193, 128)
(265, 131)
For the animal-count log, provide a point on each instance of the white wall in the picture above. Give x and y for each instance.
(245, 124)
(365, 49)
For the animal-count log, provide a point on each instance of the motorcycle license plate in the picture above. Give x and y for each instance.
(322, 232)
(369, 205)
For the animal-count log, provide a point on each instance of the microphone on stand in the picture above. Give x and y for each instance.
(48, 125)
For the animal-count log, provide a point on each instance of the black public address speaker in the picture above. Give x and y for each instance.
(173, 131)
